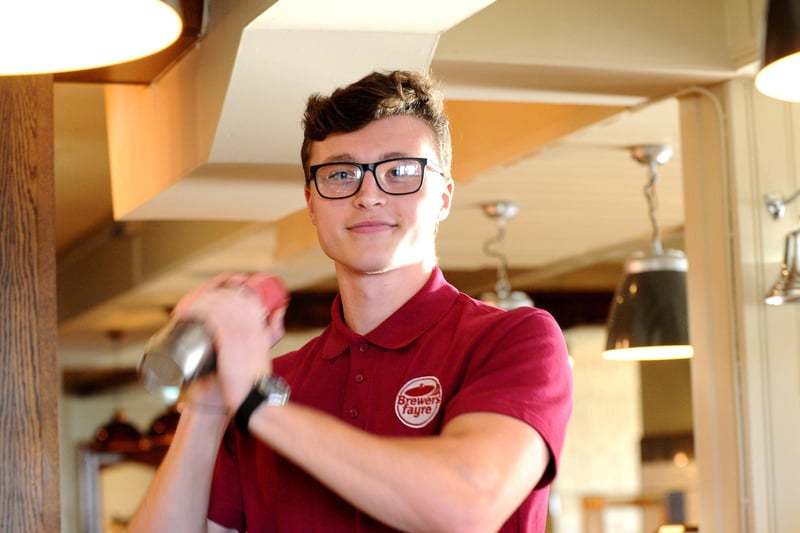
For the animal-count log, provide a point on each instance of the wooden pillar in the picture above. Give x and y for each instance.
(29, 465)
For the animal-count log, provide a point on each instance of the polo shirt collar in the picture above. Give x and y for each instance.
(411, 320)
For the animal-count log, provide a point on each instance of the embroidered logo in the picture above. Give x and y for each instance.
(418, 401)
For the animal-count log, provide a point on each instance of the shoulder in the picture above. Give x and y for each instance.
(480, 314)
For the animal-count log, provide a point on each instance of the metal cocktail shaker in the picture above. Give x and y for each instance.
(183, 350)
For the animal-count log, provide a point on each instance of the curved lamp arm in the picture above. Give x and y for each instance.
(776, 205)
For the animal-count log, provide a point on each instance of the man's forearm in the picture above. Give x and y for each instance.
(177, 500)
(469, 479)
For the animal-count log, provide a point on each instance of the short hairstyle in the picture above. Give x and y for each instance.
(375, 96)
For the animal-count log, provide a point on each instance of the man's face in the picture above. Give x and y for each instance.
(372, 231)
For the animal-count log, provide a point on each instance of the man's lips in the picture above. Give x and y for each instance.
(370, 226)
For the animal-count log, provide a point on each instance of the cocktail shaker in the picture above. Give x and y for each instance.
(183, 350)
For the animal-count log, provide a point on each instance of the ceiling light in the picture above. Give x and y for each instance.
(43, 36)
(779, 76)
(502, 297)
(648, 317)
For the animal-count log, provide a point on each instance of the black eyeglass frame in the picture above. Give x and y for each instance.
(364, 167)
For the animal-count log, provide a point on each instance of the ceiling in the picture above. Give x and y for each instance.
(545, 99)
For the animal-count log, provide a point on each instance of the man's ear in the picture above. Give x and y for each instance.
(310, 206)
(447, 199)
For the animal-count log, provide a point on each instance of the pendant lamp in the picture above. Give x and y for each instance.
(648, 316)
(502, 297)
(779, 76)
(45, 36)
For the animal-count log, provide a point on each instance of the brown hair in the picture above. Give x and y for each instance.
(375, 96)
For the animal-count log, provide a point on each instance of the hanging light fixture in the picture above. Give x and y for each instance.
(43, 36)
(787, 287)
(648, 317)
(779, 76)
(118, 435)
(502, 297)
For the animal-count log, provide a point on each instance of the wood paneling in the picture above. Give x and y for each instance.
(29, 476)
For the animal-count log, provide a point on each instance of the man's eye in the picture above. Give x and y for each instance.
(403, 171)
(340, 174)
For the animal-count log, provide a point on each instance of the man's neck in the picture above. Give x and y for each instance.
(369, 299)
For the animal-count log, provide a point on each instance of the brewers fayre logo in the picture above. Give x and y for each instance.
(418, 401)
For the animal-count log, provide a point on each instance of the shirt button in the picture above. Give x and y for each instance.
(359, 377)
(354, 412)
(364, 347)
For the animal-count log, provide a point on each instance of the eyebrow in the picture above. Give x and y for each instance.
(350, 158)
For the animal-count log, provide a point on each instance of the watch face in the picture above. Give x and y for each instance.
(274, 389)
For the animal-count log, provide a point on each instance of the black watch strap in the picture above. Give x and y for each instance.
(271, 389)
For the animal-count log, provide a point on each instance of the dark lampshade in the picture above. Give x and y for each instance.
(779, 76)
(648, 317)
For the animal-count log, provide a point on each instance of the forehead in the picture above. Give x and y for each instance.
(387, 137)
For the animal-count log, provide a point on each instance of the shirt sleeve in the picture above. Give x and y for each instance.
(520, 368)
(225, 505)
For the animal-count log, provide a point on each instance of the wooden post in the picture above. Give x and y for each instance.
(29, 465)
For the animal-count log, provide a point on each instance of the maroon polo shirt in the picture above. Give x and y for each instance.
(440, 355)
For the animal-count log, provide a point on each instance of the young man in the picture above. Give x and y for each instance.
(418, 408)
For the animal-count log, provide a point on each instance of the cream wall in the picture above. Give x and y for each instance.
(739, 145)
(601, 451)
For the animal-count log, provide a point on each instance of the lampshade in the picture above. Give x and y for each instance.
(648, 319)
(648, 316)
(779, 76)
(787, 287)
(41, 36)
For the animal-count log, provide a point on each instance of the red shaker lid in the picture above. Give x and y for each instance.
(270, 290)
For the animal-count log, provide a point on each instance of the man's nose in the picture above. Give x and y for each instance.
(370, 191)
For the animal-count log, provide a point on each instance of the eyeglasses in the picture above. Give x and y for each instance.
(398, 175)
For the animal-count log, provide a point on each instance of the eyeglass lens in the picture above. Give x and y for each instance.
(394, 176)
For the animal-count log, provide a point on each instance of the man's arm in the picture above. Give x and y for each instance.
(177, 499)
(470, 478)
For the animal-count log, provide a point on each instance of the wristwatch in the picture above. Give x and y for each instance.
(271, 389)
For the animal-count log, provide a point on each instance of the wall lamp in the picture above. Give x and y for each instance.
(779, 76)
(648, 319)
(48, 36)
(786, 288)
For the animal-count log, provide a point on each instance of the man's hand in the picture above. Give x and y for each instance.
(233, 308)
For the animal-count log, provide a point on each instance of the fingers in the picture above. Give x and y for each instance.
(233, 308)
(269, 289)
(185, 305)
(275, 323)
